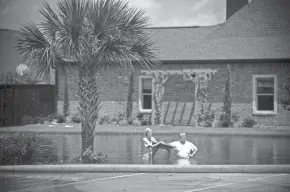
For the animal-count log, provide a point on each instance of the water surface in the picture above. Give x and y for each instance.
(129, 149)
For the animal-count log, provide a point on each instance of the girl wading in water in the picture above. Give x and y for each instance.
(152, 145)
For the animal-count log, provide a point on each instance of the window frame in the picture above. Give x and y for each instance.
(140, 100)
(255, 95)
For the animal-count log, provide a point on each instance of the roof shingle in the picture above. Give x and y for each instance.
(260, 30)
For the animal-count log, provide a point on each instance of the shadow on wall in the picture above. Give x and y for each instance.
(178, 113)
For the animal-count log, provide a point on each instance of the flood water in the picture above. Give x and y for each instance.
(129, 149)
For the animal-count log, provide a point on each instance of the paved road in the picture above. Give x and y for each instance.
(155, 182)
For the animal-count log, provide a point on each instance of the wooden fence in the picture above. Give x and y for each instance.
(17, 101)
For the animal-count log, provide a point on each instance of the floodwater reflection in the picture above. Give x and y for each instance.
(129, 149)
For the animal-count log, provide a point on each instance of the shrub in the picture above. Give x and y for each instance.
(235, 117)
(206, 118)
(130, 121)
(60, 118)
(136, 122)
(104, 120)
(27, 120)
(16, 149)
(76, 118)
(121, 117)
(123, 122)
(140, 116)
(51, 117)
(89, 157)
(249, 122)
(223, 121)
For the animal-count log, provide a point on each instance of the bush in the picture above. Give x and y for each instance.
(104, 120)
(60, 118)
(89, 157)
(223, 122)
(76, 118)
(16, 149)
(50, 118)
(136, 122)
(140, 116)
(120, 118)
(144, 119)
(249, 122)
(123, 122)
(206, 118)
(28, 120)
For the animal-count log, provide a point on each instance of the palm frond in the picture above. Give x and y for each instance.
(133, 21)
(117, 35)
(72, 15)
(50, 23)
(35, 48)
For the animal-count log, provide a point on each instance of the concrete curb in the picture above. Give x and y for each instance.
(72, 132)
(148, 168)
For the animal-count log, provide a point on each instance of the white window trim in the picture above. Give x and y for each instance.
(255, 110)
(140, 94)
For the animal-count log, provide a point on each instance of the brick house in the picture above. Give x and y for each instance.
(254, 41)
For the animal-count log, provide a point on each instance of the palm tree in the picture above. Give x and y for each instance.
(94, 35)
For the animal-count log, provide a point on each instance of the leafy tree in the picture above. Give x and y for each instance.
(286, 101)
(225, 118)
(94, 35)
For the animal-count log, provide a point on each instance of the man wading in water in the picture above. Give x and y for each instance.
(184, 149)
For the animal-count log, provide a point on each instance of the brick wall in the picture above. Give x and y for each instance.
(179, 94)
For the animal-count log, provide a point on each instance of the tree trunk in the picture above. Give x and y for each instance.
(56, 89)
(66, 96)
(129, 107)
(89, 105)
(87, 137)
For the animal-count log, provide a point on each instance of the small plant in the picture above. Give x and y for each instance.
(249, 122)
(104, 120)
(76, 118)
(60, 118)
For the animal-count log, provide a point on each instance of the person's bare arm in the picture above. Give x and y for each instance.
(193, 151)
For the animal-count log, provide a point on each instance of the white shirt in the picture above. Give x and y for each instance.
(183, 150)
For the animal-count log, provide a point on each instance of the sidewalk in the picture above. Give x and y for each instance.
(111, 129)
(124, 182)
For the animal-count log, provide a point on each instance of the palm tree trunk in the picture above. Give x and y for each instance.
(89, 105)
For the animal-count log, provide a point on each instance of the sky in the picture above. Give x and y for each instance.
(163, 13)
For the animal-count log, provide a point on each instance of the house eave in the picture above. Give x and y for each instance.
(227, 61)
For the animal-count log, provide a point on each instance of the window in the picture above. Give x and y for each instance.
(145, 94)
(264, 94)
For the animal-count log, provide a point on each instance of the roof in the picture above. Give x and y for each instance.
(260, 30)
